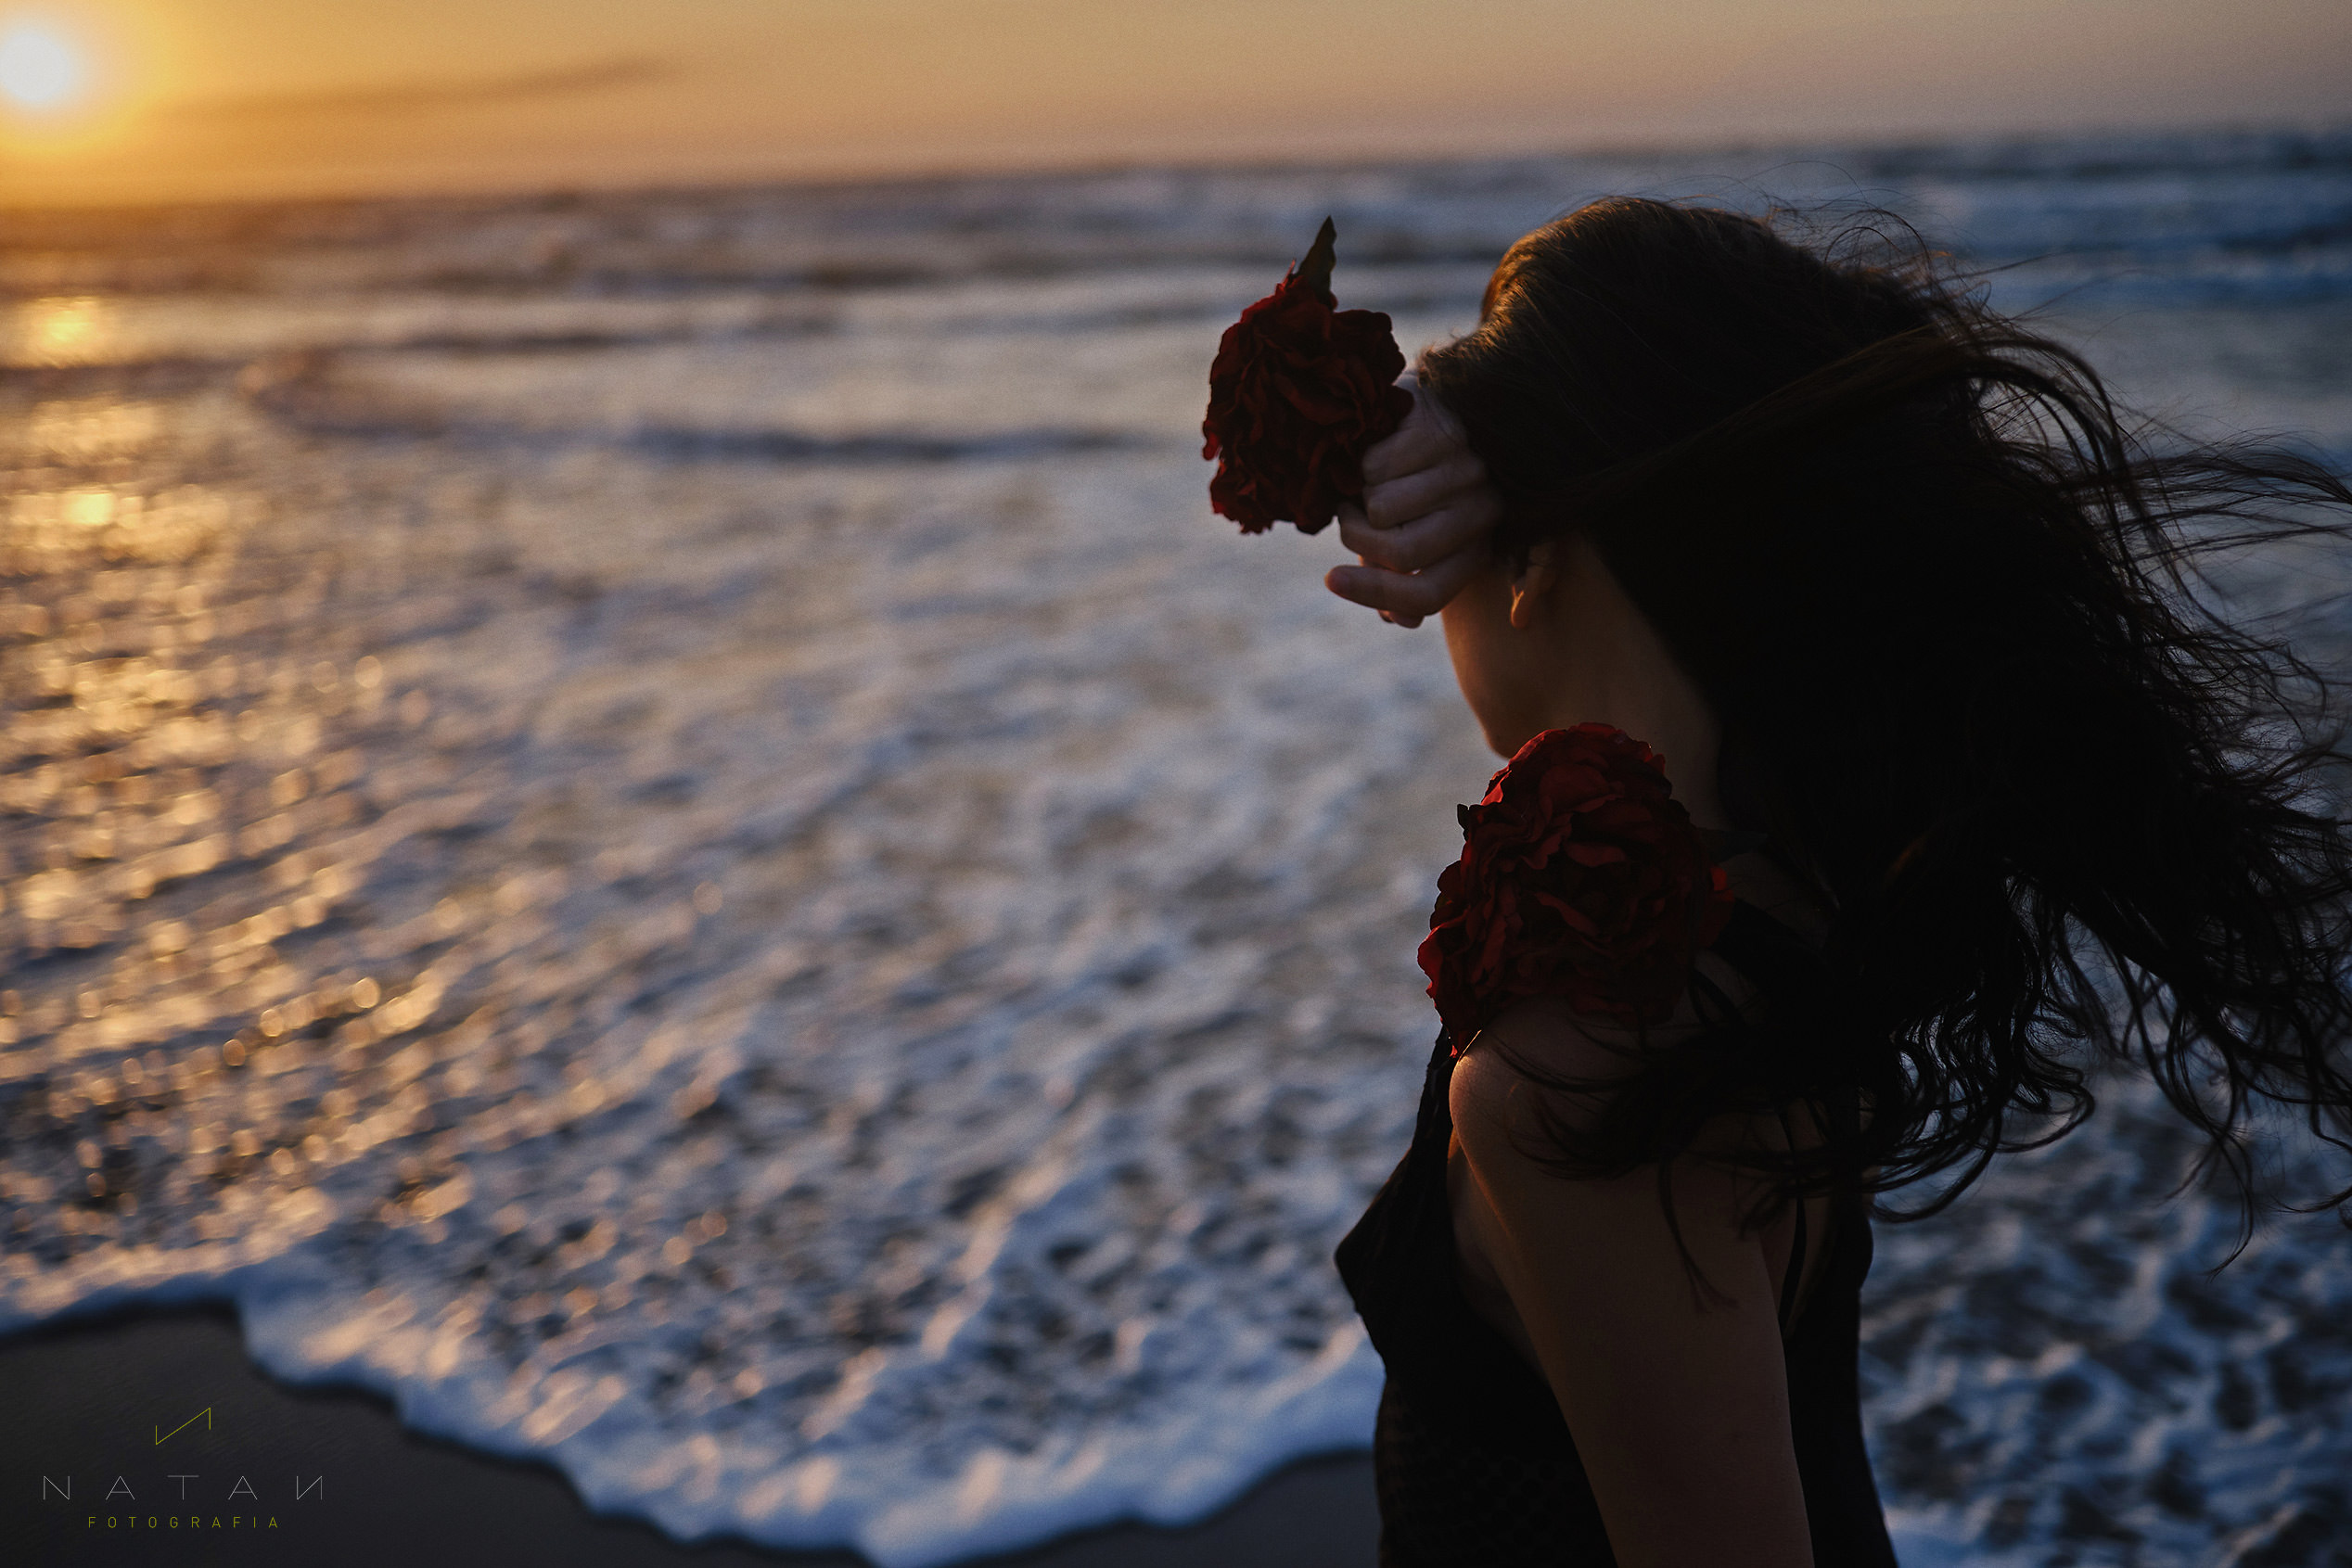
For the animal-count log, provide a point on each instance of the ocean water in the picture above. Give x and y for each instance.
(662, 825)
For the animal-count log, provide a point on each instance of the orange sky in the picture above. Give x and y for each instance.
(198, 98)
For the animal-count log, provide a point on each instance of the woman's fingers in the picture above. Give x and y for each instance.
(1403, 499)
(1400, 594)
(1459, 523)
(1422, 441)
(1427, 511)
(1413, 444)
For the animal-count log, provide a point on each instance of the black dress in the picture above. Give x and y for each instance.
(1472, 1461)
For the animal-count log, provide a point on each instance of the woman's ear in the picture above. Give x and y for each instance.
(1530, 584)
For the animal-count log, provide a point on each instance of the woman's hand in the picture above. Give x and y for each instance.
(1427, 510)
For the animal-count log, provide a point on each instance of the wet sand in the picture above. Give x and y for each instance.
(87, 1403)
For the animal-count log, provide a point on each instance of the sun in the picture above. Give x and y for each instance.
(41, 69)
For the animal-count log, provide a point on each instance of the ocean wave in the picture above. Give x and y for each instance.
(303, 391)
(894, 1138)
(912, 236)
(154, 354)
(2095, 159)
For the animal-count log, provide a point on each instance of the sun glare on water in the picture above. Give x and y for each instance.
(41, 69)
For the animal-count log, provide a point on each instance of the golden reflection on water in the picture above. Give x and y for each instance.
(151, 739)
(78, 430)
(212, 800)
(51, 530)
(61, 330)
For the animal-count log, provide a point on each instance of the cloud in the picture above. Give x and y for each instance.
(397, 98)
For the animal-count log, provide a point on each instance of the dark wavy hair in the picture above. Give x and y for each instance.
(1954, 616)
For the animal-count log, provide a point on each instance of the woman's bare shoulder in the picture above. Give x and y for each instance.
(1541, 1068)
(1519, 1062)
(1540, 1056)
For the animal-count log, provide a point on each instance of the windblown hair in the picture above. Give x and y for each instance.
(1954, 615)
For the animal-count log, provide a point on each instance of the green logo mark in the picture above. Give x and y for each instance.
(204, 1415)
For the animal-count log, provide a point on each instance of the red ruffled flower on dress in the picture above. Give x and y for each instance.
(1581, 877)
(1299, 390)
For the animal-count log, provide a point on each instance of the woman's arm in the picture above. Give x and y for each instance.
(1679, 1413)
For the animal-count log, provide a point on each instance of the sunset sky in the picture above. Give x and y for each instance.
(104, 100)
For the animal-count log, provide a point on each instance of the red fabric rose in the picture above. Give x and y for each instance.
(1581, 877)
(1299, 390)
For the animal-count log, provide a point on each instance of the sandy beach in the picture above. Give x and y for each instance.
(88, 1401)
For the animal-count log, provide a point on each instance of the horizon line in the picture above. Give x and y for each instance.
(1049, 166)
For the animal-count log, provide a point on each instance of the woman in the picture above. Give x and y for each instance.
(1910, 622)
